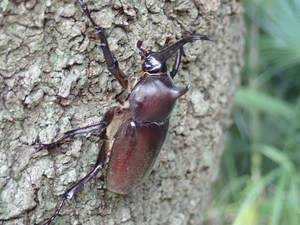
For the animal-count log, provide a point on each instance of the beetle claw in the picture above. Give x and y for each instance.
(38, 145)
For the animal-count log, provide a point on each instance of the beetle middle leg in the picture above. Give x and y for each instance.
(72, 133)
(84, 130)
(112, 65)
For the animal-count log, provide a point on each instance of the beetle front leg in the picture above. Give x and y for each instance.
(177, 62)
(112, 65)
(70, 193)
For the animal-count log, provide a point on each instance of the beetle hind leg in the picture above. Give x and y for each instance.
(70, 193)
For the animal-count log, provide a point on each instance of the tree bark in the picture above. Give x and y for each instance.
(54, 79)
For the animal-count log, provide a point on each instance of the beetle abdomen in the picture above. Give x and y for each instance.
(134, 151)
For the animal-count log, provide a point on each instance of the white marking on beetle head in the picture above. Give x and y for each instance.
(132, 123)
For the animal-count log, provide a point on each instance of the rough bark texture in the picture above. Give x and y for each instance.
(53, 79)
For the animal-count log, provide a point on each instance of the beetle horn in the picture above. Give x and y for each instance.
(166, 53)
(185, 90)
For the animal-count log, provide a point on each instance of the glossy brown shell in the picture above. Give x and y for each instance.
(136, 134)
(133, 154)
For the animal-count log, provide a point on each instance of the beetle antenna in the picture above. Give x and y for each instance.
(139, 44)
(143, 52)
(167, 41)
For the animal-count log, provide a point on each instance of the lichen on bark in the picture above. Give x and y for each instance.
(53, 79)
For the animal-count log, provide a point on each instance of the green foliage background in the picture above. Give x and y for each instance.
(260, 172)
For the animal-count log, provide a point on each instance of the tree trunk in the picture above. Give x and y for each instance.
(54, 79)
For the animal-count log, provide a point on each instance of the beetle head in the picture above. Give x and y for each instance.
(155, 62)
(150, 63)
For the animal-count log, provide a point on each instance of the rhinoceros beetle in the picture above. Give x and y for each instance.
(135, 132)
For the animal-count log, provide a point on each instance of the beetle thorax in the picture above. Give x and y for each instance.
(153, 98)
